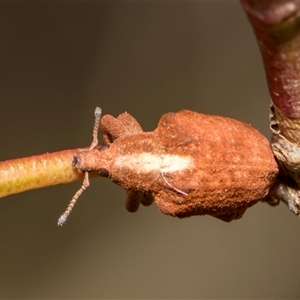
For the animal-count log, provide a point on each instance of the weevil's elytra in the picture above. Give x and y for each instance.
(191, 164)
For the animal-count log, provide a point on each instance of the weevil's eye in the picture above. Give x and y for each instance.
(76, 160)
(103, 172)
(104, 147)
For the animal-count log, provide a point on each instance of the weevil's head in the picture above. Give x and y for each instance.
(97, 159)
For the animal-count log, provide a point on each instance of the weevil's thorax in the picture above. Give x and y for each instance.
(129, 167)
(141, 160)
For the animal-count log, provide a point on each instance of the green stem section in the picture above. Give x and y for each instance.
(23, 174)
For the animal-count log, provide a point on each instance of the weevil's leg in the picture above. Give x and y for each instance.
(147, 199)
(110, 128)
(98, 113)
(231, 216)
(133, 201)
(135, 198)
(129, 124)
(124, 124)
(171, 186)
(67, 212)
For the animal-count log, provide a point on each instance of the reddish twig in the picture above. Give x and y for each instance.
(276, 24)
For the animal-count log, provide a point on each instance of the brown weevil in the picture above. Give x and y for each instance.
(191, 164)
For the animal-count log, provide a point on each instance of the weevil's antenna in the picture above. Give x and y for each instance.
(62, 219)
(172, 187)
(98, 113)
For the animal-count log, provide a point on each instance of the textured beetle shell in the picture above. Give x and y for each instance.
(234, 165)
(230, 165)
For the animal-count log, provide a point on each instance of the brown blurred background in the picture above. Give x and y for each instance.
(58, 61)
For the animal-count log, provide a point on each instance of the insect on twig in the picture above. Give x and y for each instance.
(219, 166)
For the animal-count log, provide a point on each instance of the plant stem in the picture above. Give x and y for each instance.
(276, 25)
(23, 174)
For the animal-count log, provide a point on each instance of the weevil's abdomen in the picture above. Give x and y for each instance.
(234, 166)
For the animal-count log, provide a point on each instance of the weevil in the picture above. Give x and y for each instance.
(191, 164)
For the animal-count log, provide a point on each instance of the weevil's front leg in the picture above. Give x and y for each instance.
(124, 124)
(129, 124)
